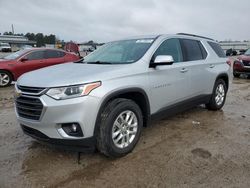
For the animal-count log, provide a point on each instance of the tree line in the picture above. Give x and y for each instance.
(40, 38)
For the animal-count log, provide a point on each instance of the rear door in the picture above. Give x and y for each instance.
(169, 83)
(194, 55)
(54, 57)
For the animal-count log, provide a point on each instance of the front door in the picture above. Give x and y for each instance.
(32, 61)
(169, 83)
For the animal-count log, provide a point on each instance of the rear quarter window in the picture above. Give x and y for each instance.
(217, 49)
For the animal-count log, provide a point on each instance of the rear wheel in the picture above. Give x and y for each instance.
(120, 128)
(5, 78)
(218, 96)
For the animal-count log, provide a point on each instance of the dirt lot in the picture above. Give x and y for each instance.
(198, 148)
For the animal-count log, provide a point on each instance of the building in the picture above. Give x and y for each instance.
(235, 45)
(16, 42)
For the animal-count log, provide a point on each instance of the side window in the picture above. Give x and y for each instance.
(203, 51)
(54, 54)
(35, 55)
(61, 54)
(193, 50)
(170, 47)
(217, 49)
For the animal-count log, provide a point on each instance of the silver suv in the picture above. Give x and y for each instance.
(104, 100)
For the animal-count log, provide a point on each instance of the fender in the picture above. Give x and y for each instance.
(223, 75)
(116, 94)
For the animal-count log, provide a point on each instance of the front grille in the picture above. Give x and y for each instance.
(246, 63)
(31, 90)
(29, 108)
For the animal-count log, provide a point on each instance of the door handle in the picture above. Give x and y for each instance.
(183, 70)
(211, 66)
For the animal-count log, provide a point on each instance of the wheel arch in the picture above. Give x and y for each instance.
(138, 95)
(11, 74)
(225, 77)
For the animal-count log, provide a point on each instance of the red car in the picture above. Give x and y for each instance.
(242, 65)
(16, 64)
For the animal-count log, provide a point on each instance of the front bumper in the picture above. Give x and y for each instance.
(240, 68)
(6, 50)
(242, 72)
(81, 110)
(80, 145)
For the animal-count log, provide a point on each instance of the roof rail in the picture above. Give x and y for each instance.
(194, 35)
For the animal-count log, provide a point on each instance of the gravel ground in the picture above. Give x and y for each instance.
(198, 148)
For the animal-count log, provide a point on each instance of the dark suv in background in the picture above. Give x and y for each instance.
(242, 65)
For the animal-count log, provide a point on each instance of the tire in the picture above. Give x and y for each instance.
(5, 78)
(109, 132)
(236, 75)
(219, 92)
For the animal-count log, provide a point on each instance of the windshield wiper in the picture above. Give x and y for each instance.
(99, 62)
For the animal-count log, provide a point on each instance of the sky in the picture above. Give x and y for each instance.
(107, 20)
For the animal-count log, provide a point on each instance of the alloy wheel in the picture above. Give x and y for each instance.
(4, 79)
(124, 129)
(219, 94)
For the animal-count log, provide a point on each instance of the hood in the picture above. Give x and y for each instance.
(4, 60)
(72, 74)
(244, 58)
(5, 63)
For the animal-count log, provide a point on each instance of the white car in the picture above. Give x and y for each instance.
(5, 47)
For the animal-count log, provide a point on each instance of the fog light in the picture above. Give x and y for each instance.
(72, 129)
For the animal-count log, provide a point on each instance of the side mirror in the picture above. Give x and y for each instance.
(162, 60)
(24, 59)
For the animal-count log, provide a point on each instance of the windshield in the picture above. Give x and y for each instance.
(120, 52)
(247, 52)
(15, 55)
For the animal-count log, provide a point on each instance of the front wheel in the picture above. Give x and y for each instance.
(236, 75)
(218, 97)
(120, 128)
(5, 78)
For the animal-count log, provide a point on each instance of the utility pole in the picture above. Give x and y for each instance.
(12, 27)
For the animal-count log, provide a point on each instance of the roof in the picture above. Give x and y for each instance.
(193, 35)
(44, 48)
(185, 35)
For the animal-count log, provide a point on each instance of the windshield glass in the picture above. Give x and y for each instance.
(120, 52)
(15, 55)
(247, 52)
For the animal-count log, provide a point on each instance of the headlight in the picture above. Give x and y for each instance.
(72, 91)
